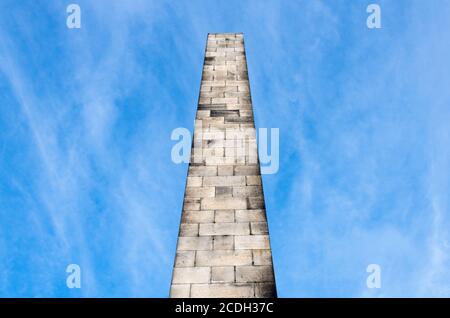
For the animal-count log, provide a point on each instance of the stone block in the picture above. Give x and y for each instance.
(250, 215)
(189, 275)
(222, 274)
(249, 274)
(225, 89)
(265, 290)
(211, 135)
(236, 94)
(256, 202)
(191, 243)
(203, 114)
(223, 203)
(235, 152)
(194, 182)
(224, 229)
(246, 119)
(253, 180)
(224, 258)
(198, 217)
(200, 192)
(245, 112)
(201, 171)
(248, 242)
(225, 170)
(223, 242)
(191, 204)
(224, 192)
(212, 152)
(237, 133)
(246, 191)
(243, 88)
(216, 161)
(262, 257)
(204, 100)
(213, 83)
(224, 113)
(223, 100)
(222, 181)
(188, 229)
(224, 216)
(185, 259)
(252, 170)
(227, 290)
(180, 291)
(259, 228)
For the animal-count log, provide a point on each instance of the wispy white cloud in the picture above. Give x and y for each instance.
(92, 185)
(362, 117)
(355, 135)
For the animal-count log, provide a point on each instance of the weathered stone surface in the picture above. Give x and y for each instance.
(223, 258)
(246, 274)
(223, 246)
(265, 290)
(180, 291)
(212, 152)
(262, 257)
(230, 100)
(223, 242)
(224, 181)
(222, 290)
(253, 180)
(238, 133)
(224, 113)
(224, 216)
(187, 243)
(198, 217)
(188, 229)
(191, 204)
(202, 171)
(182, 275)
(259, 228)
(200, 192)
(194, 181)
(222, 274)
(223, 203)
(224, 192)
(225, 161)
(185, 259)
(224, 229)
(252, 170)
(225, 170)
(203, 113)
(247, 191)
(256, 202)
(250, 216)
(248, 242)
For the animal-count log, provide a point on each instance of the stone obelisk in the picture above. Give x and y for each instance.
(223, 246)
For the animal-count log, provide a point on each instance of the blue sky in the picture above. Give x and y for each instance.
(86, 117)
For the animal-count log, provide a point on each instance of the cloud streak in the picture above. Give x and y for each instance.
(86, 175)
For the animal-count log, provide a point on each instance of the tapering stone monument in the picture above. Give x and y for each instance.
(223, 246)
